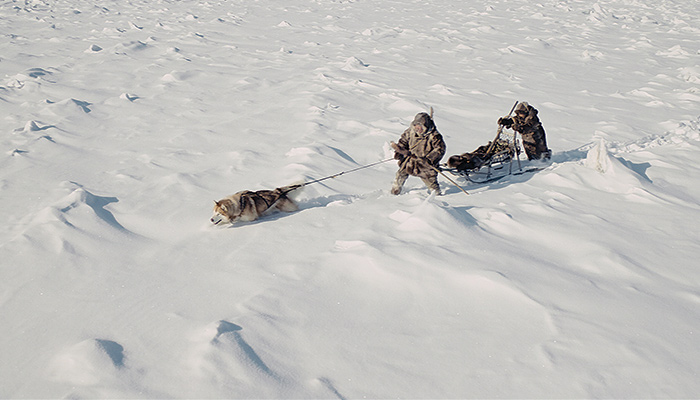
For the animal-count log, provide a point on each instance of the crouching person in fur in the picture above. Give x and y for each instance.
(530, 128)
(419, 152)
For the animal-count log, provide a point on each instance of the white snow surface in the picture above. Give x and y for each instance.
(122, 121)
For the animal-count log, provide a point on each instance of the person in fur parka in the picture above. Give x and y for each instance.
(530, 128)
(419, 151)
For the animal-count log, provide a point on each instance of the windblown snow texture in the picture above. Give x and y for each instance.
(122, 121)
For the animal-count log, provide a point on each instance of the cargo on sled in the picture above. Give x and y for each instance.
(491, 161)
(495, 159)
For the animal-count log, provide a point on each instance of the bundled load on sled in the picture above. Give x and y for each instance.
(494, 160)
(491, 161)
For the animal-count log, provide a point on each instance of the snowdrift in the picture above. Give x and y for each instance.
(122, 122)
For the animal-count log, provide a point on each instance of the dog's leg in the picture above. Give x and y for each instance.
(287, 205)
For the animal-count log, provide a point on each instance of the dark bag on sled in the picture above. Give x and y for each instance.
(476, 159)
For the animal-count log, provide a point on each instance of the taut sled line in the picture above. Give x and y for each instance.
(299, 185)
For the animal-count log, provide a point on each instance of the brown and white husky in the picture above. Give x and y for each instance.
(249, 206)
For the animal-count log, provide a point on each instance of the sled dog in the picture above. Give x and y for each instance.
(249, 206)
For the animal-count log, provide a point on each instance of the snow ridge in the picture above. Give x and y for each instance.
(122, 122)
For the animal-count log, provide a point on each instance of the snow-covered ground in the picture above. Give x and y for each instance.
(122, 121)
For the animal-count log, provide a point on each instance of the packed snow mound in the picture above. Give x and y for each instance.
(87, 362)
(598, 158)
(616, 172)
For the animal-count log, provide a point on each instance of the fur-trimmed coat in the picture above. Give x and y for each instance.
(530, 127)
(523, 125)
(414, 150)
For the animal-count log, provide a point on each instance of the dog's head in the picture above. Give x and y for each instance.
(225, 210)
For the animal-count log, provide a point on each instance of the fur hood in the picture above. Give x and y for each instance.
(425, 120)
